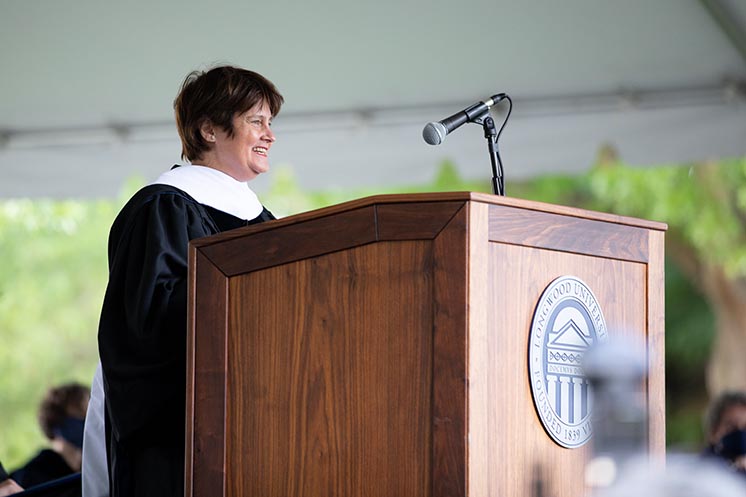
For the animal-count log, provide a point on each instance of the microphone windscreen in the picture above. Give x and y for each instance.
(433, 133)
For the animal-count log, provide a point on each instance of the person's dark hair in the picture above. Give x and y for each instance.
(717, 408)
(217, 95)
(61, 402)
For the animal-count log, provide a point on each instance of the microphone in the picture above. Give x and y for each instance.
(435, 132)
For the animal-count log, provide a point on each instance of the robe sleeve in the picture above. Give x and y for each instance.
(142, 331)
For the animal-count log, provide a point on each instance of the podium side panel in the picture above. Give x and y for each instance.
(510, 452)
(564, 233)
(656, 346)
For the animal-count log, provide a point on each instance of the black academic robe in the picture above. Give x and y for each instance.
(3, 474)
(142, 336)
(45, 466)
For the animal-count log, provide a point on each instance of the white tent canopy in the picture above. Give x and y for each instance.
(87, 86)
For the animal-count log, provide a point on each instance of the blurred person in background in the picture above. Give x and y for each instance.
(61, 418)
(725, 429)
(7, 485)
(682, 475)
(224, 118)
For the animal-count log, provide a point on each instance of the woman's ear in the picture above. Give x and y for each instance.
(207, 130)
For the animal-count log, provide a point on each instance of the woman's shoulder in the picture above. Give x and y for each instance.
(159, 193)
(157, 199)
(160, 204)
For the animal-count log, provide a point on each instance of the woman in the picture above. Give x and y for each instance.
(223, 117)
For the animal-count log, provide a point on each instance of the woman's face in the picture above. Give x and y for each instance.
(245, 155)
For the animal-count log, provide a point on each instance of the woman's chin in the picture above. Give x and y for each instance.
(256, 170)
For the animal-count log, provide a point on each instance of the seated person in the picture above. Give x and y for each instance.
(7, 485)
(61, 417)
(725, 429)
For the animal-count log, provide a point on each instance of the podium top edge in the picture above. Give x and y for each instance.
(486, 198)
(399, 198)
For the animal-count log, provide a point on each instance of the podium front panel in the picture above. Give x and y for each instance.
(347, 356)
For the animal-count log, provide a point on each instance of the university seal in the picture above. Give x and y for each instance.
(566, 322)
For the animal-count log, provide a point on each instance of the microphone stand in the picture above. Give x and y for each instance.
(477, 114)
(490, 133)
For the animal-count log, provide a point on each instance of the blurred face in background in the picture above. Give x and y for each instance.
(733, 418)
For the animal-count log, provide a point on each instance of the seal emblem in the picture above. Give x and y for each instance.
(567, 321)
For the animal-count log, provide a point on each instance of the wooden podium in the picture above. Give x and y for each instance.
(379, 348)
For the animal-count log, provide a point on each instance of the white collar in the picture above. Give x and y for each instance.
(211, 187)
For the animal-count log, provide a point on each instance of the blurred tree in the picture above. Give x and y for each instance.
(52, 276)
(53, 273)
(705, 208)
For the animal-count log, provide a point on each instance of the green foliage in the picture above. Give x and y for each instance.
(53, 273)
(666, 193)
(553, 189)
(705, 204)
(690, 329)
(447, 176)
(52, 278)
(285, 197)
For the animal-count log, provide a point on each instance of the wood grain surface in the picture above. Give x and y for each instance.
(380, 347)
(329, 386)
(206, 365)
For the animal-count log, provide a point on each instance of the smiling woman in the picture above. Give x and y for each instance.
(223, 117)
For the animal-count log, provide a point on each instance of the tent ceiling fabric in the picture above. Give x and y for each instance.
(87, 86)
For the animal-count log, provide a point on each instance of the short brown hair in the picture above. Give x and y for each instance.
(65, 401)
(218, 95)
